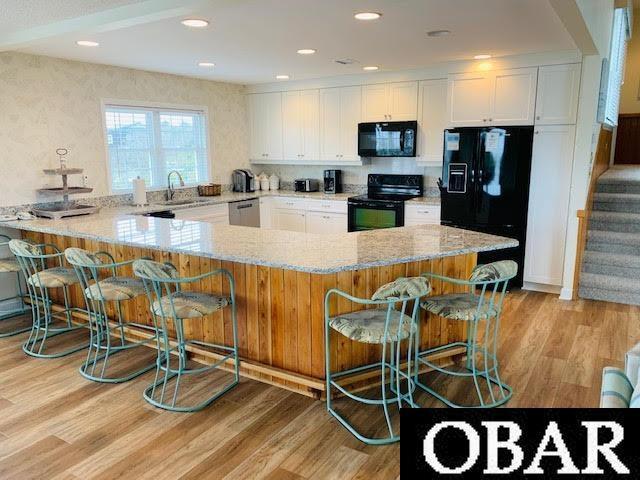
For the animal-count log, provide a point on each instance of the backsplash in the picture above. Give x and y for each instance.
(354, 179)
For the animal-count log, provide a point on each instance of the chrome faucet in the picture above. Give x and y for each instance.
(170, 190)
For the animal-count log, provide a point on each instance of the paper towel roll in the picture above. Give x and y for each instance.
(139, 192)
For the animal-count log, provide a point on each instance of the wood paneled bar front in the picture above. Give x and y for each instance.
(280, 310)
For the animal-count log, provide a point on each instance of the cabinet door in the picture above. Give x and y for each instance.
(273, 125)
(286, 219)
(310, 121)
(375, 103)
(469, 99)
(514, 97)
(350, 116)
(330, 124)
(291, 126)
(558, 89)
(403, 101)
(265, 212)
(548, 203)
(321, 222)
(432, 120)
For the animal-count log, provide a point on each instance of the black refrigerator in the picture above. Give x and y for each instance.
(485, 185)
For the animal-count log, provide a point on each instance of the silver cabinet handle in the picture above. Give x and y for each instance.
(538, 117)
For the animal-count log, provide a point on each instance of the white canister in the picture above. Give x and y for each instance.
(274, 182)
(264, 183)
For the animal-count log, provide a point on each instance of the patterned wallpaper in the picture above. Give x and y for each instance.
(46, 103)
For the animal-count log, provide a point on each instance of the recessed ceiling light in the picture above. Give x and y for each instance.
(195, 23)
(438, 33)
(282, 77)
(87, 43)
(484, 56)
(367, 15)
(306, 51)
(206, 64)
(370, 68)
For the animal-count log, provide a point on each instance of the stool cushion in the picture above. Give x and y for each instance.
(403, 287)
(115, 288)
(458, 306)
(616, 389)
(9, 265)
(53, 277)
(190, 304)
(367, 326)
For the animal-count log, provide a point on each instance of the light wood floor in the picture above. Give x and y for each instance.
(56, 425)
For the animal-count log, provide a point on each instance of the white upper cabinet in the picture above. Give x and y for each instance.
(505, 97)
(558, 89)
(375, 103)
(390, 102)
(514, 97)
(403, 100)
(469, 99)
(340, 113)
(432, 120)
(266, 126)
(550, 189)
(301, 125)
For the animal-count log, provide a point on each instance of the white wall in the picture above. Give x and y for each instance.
(46, 103)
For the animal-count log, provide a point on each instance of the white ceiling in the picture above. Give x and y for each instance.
(251, 41)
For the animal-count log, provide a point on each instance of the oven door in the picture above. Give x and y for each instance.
(374, 215)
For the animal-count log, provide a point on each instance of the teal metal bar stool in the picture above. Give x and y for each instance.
(384, 325)
(480, 307)
(40, 279)
(11, 266)
(169, 303)
(107, 338)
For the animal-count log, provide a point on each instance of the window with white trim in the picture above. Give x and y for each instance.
(617, 57)
(151, 142)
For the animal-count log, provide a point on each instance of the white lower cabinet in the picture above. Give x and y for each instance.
(217, 214)
(551, 165)
(326, 222)
(421, 215)
(288, 219)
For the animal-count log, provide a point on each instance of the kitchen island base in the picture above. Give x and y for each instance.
(281, 312)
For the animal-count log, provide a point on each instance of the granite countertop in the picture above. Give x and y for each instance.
(305, 252)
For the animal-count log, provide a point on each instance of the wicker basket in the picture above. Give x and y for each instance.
(209, 190)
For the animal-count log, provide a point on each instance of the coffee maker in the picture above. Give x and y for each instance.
(332, 181)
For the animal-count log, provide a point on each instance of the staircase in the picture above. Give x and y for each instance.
(611, 262)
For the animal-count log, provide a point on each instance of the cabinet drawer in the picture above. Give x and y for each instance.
(331, 206)
(421, 214)
(288, 203)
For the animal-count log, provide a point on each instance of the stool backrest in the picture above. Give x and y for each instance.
(492, 279)
(32, 259)
(156, 278)
(87, 266)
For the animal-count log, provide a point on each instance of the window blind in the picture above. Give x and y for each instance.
(151, 142)
(616, 65)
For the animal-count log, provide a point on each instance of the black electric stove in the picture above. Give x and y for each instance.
(383, 205)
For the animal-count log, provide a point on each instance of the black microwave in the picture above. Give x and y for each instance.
(387, 139)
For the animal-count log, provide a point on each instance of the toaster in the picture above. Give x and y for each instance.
(243, 181)
(306, 185)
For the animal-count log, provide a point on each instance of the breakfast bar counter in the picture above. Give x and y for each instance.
(281, 278)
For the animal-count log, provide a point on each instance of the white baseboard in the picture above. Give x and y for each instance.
(541, 287)
(566, 293)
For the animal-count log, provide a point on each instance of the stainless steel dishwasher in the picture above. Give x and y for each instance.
(245, 213)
